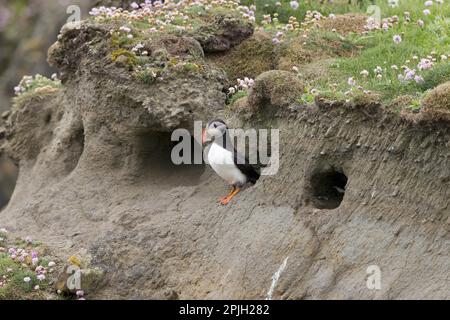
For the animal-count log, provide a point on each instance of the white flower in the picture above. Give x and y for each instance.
(3, 230)
(40, 277)
(125, 29)
(364, 73)
(420, 23)
(351, 81)
(295, 68)
(134, 5)
(425, 64)
(418, 79)
(393, 3)
(294, 5)
(379, 76)
(428, 3)
(332, 16)
(36, 287)
(397, 39)
(371, 24)
(426, 12)
(18, 89)
(409, 74)
(443, 57)
(232, 90)
(130, 36)
(27, 279)
(80, 293)
(378, 69)
(28, 240)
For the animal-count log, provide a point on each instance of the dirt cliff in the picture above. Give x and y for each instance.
(357, 185)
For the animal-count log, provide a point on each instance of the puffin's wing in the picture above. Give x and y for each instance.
(245, 167)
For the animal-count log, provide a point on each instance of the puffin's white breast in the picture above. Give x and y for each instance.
(221, 160)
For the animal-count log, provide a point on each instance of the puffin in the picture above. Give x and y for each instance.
(223, 158)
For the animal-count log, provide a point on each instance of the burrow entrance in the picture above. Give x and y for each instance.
(328, 188)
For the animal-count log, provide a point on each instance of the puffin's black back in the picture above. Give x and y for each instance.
(245, 167)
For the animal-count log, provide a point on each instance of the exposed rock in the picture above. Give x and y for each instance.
(90, 280)
(96, 173)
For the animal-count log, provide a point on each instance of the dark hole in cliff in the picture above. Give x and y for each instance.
(154, 155)
(48, 118)
(8, 178)
(75, 148)
(328, 188)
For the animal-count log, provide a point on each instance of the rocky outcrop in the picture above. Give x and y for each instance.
(357, 186)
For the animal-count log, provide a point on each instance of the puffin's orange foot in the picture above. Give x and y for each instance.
(225, 201)
(231, 196)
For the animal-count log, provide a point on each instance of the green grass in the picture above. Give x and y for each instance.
(238, 95)
(357, 52)
(285, 11)
(15, 288)
(379, 49)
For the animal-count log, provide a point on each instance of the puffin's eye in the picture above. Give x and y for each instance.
(215, 125)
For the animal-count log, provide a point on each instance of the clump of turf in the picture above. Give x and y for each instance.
(252, 57)
(276, 87)
(344, 24)
(437, 101)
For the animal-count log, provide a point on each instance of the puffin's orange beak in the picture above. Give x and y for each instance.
(203, 136)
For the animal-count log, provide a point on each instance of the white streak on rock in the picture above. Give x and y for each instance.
(275, 278)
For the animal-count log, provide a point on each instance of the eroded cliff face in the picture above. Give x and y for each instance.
(357, 185)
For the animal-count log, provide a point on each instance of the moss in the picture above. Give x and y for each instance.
(119, 41)
(191, 67)
(149, 75)
(37, 94)
(294, 53)
(129, 58)
(248, 59)
(366, 99)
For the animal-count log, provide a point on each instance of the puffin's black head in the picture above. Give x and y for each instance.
(214, 129)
